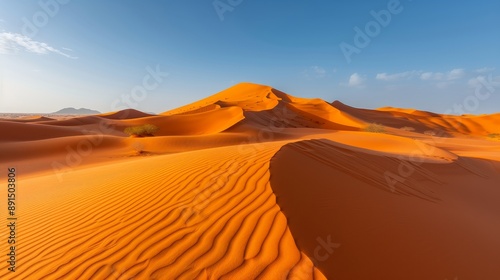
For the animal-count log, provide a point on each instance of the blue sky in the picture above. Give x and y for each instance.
(158, 55)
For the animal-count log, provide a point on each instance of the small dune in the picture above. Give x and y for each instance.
(125, 114)
(28, 119)
(19, 131)
(204, 122)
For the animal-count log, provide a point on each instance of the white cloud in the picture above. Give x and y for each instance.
(13, 42)
(428, 76)
(396, 76)
(484, 70)
(355, 80)
(454, 74)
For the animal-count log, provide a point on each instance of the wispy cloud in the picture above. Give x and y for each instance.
(397, 76)
(315, 72)
(484, 70)
(441, 80)
(13, 42)
(454, 74)
(356, 80)
(431, 76)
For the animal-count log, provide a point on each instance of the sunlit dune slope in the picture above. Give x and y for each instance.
(204, 122)
(405, 111)
(392, 145)
(423, 121)
(207, 108)
(208, 214)
(248, 96)
(390, 217)
(262, 104)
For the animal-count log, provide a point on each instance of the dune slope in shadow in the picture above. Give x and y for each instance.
(440, 222)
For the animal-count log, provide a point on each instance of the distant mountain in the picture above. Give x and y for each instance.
(73, 111)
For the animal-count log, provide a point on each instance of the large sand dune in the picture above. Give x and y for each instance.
(440, 222)
(253, 183)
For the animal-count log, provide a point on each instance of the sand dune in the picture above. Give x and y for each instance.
(207, 108)
(125, 114)
(423, 121)
(16, 131)
(439, 222)
(31, 119)
(254, 183)
(248, 96)
(206, 122)
(208, 214)
(406, 111)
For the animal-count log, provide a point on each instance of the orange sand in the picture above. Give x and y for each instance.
(250, 183)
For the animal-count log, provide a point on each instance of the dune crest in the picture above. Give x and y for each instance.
(125, 114)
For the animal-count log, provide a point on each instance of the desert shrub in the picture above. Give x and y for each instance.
(375, 128)
(407, 128)
(494, 136)
(141, 130)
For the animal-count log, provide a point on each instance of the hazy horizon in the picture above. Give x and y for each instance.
(453, 112)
